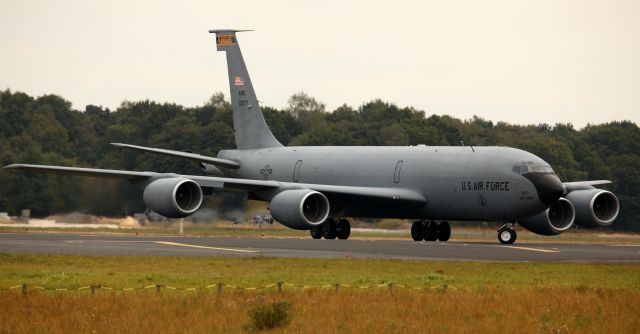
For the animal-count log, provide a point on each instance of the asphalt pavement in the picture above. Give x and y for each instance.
(119, 245)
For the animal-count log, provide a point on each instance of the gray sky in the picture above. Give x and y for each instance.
(517, 61)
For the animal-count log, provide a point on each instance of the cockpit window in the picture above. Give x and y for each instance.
(541, 169)
(523, 169)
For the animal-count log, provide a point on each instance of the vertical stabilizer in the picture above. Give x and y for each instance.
(251, 130)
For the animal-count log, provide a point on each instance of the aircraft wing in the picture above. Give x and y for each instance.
(184, 155)
(386, 195)
(232, 183)
(397, 195)
(203, 181)
(95, 172)
(400, 195)
(582, 185)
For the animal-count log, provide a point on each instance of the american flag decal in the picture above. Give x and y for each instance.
(238, 81)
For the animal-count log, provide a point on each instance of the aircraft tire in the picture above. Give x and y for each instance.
(343, 229)
(417, 231)
(444, 231)
(316, 232)
(507, 236)
(329, 228)
(431, 231)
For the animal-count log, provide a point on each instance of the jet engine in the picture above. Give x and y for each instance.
(174, 197)
(300, 209)
(594, 207)
(556, 219)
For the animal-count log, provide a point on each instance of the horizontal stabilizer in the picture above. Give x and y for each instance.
(223, 163)
(582, 185)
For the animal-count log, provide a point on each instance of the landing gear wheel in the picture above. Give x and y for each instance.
(343, 229)
(431, 231)
(507, 235)
(417, 231)
(329, 228)
(316, 232)
(444, 231)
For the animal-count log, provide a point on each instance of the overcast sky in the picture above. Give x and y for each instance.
(524, 62)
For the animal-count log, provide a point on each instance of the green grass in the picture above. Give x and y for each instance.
(69, 271)
(479, 296)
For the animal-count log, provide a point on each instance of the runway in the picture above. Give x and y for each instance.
(104, 244)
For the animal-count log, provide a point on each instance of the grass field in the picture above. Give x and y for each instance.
(451, 296)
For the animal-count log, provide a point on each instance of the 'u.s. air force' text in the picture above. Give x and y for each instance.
(486, 185)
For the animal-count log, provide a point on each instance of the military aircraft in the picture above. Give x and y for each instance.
(315, 188)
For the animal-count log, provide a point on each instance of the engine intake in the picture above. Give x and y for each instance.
(174, 197)
(594, 207)
(556, 219)
(300, 209)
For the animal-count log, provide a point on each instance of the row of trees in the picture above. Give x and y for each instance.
(46, 130)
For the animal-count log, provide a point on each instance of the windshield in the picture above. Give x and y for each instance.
(527, 168)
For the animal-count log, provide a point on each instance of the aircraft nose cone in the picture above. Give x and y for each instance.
(548, 186)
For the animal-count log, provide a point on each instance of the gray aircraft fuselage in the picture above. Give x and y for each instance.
(458, 182)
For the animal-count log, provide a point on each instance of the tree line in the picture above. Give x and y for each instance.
(47, 130)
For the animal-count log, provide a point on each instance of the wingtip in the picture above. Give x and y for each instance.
(12, 166)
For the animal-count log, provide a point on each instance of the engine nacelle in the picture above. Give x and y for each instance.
(556, 219)
(300, 209)
(594, 207)
(174, 197)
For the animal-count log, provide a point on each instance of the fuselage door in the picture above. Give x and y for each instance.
(296, 171)
(396, 174)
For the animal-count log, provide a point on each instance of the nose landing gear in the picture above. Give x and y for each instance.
(507, 234)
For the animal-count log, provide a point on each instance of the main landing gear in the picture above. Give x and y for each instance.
(332, 229)
(507, 233)
(430, 231)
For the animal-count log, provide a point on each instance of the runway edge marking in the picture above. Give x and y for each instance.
(533, 249)
(206, 247)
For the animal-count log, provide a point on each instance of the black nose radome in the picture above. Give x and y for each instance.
(548, 186)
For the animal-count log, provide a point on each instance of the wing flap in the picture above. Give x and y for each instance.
(232, 183)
